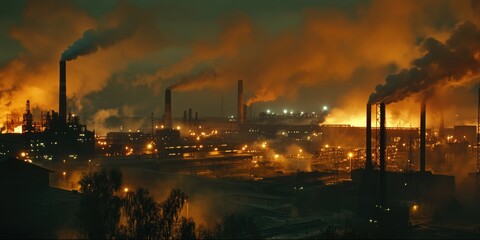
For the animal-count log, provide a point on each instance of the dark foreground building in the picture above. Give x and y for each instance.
(29, 207)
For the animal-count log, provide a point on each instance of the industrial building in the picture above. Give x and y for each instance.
(56, 137)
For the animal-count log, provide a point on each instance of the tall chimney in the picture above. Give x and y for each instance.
(423, 126)
(383, 147)
(168, 109)
(62, 108)
(240, 118)
(368, 150)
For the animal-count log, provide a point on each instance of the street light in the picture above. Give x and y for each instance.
(64, 176)
(350, 155)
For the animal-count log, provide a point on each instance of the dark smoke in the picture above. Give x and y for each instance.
(93, 39)
(452, 61)
(195, 82)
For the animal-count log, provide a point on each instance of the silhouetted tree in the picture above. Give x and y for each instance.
(101, 209)
(142, 215)
(186, 229)
(205, 232)
(171, 207)
(99, 213)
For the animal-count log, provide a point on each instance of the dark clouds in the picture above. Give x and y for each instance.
(296, 54)
(455, 60)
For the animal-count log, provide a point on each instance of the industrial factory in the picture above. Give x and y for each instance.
(58, 136)
(382, 171)
(357, 120)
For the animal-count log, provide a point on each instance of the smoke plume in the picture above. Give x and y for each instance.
(455, 60)
(195, 82)
(93, 39)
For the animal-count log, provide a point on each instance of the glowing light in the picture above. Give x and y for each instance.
(350, 155)
(178, 127)
(276, 156)
(325, 108)
(415, 207)
(268, 111)
(285, 111)
(18, 129)
(23, 154)
(149, 146)
(125, 189)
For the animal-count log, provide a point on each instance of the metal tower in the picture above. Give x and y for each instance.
(477, 170)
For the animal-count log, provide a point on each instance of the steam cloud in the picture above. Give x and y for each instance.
(93, 39)
(195, 82)
(455, 60)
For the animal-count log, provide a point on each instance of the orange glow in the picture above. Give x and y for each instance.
(18, 129)
(415, 207)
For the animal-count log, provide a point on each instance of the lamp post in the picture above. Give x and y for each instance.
(350, 155)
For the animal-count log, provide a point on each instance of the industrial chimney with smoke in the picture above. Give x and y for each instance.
(240, 108)
(383, 153)
(62, 108)
(368, 149)
(167, 117)
(423, 138)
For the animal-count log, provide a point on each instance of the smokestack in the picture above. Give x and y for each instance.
(240, 118)
(62, 101)
(423, 126)
(168, 109)
(383, 148)
(185, 117)
(368, 163)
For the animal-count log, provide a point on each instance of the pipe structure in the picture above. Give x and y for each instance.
(423, 126)
(240, 118)
(383, 148)
(62, 101)
(368, 140)
(168, 109)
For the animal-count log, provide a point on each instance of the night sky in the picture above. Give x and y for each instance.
(295, 55)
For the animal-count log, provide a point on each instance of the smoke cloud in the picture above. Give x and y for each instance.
(455, 60)
(196, 82)
(93, 39)
(306, 57)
